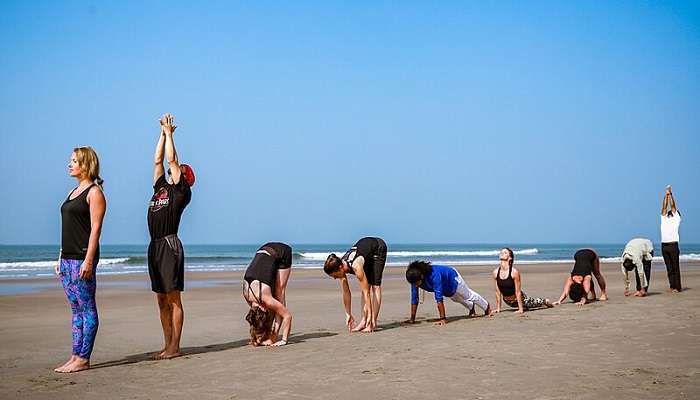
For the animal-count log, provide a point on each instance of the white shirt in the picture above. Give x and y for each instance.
(669, 228)
(637, 250)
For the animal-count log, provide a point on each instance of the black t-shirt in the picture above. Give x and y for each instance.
(365, 247)
(166, 207)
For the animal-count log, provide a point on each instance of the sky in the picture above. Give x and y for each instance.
(321, 122)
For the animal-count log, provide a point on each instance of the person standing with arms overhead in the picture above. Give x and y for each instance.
(365, 260)
(670, 222)
(166, 257)
(637, 257)
(82, 214)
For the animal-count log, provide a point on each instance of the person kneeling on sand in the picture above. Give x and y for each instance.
(508, 286)
(637, 257)
(579, 286)
(264, 287)
(442, 281)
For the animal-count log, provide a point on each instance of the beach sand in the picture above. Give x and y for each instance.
(643, 348)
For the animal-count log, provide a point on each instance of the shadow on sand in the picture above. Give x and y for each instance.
(189, 351)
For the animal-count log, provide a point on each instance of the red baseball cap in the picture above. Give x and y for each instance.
(188, 174)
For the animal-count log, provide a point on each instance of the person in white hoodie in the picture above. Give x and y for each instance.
(637, 257)
(670, 222)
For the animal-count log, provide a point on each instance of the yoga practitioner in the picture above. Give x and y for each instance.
(166, 257)
(264, 287)
(637, 257)
(442, 280)
(365, 260)
(82, 214)
(580, 285)
(670, 222)
(508, 286)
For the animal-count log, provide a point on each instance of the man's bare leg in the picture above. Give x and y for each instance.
(165, 322)
(177, 316)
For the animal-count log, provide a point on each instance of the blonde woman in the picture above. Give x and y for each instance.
(82, 214)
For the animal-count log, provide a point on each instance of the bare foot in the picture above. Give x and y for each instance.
(66, 364)
(548, 303)
(603, 297)
(675, 291)
(167, 355)
(157, 355)
(360, 327)
(79, 364)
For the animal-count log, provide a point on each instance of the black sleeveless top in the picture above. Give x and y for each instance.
(583, 265)
(506, 286)
(75, 226)
(270, 258)
(366, 247)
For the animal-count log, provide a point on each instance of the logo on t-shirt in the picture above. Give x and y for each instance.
(159, 200)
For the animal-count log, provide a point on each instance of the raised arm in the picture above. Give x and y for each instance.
(672, 203)
(664, 207)
(170, 152)
(158, 170)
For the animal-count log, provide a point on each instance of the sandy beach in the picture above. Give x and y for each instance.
(644, 348)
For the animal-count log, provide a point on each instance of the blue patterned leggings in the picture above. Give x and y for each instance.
(81, 296)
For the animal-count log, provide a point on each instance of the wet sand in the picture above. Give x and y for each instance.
(644, 348)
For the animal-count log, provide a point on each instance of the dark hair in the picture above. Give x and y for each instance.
(260, 325)
(628, 264)
(576, 292)
(417, 271)
(512, 256)
(332, 264)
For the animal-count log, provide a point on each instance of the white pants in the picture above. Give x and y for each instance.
(467, 297)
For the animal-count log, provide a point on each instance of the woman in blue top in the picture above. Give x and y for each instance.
(443, 281)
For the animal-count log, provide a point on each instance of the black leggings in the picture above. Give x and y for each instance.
(671, 254)
(647, 272)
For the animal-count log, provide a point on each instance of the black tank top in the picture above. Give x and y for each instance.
(365, 247)
(583, 262)
(506, 286)
(75, 226)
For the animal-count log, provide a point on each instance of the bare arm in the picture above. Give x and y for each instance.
(280, 310)
(98, 207)
(664, 207)
(158, 170)
(567, 287)
(170, 152)
(499, 299)
(347, 302)
(672, 202)
(441, 312)
(518, 291)
(358, 267)
(414, 308)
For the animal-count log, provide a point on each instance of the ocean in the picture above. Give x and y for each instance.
(37, 261)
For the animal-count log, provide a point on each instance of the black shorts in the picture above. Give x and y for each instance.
(166, 264)
(374, 267)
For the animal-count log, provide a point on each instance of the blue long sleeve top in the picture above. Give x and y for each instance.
(441, 281)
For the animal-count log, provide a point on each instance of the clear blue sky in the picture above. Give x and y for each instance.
(319, 122)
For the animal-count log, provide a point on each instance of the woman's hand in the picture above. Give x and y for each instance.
(86, 270)
(349, 321)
